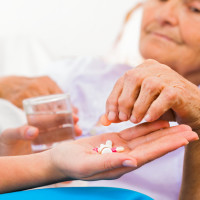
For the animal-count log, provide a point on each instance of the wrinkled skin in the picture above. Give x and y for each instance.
(152, 91)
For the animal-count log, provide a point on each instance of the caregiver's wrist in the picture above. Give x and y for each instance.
(55, 170)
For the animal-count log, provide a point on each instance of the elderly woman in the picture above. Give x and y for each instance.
(164, 86)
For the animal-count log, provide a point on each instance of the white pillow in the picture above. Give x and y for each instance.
(10, 116)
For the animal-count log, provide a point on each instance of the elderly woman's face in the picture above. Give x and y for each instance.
(170, 33)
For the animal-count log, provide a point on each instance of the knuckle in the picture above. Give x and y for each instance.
(137, 78)
(112, 101)
(138, 113)
(33, 86)
(170, 94)
(138, 109)
(128, 73)
(131, 77)
(150, 61)
(120, 80)
(150, 84)
(125, 103)
(185, 127)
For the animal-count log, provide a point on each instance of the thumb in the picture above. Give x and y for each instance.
(112, 161)
(25, 132)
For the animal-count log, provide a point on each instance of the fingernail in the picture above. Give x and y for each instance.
(129, 163)
(147, 118)
(122, 116)
(31, 131)
(111, 116)
(133, 119)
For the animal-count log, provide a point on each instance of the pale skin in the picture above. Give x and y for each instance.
(142, 143)
(169, 35)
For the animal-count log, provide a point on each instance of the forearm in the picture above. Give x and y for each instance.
(190, 188)
(24, 172)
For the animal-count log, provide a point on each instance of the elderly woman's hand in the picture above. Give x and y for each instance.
(152, 91)
(17, 88)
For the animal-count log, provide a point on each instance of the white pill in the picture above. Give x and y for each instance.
(119, 149)
(106, 150)
(102, 146)
(109, 143)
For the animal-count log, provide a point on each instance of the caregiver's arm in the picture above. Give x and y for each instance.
(77, 159)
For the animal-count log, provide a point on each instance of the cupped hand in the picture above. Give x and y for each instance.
(142, 143)
(154, 91)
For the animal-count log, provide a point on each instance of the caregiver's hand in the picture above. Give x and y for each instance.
(17, 141)
(17, 88)
(142, 143)
(149, 91)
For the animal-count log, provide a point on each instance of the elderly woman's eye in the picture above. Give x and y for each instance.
(195, 10)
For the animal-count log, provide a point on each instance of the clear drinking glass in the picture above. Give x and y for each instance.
(52, 115)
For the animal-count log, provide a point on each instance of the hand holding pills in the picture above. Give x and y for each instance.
(105, 156)
(110, 155)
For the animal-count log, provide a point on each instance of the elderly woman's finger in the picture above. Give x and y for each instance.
(112, 101)
(150, 90)
(166, 100)
(129, 95)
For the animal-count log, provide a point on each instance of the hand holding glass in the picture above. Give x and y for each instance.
(52, 115)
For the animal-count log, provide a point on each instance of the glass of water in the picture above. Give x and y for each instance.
(52, 115)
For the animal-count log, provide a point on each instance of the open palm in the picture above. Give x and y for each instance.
(142, 143)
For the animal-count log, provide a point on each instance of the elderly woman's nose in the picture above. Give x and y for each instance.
(167, 14)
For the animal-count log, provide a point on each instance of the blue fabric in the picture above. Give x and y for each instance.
(76, 193)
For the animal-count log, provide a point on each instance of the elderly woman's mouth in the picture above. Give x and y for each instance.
(164, 37)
